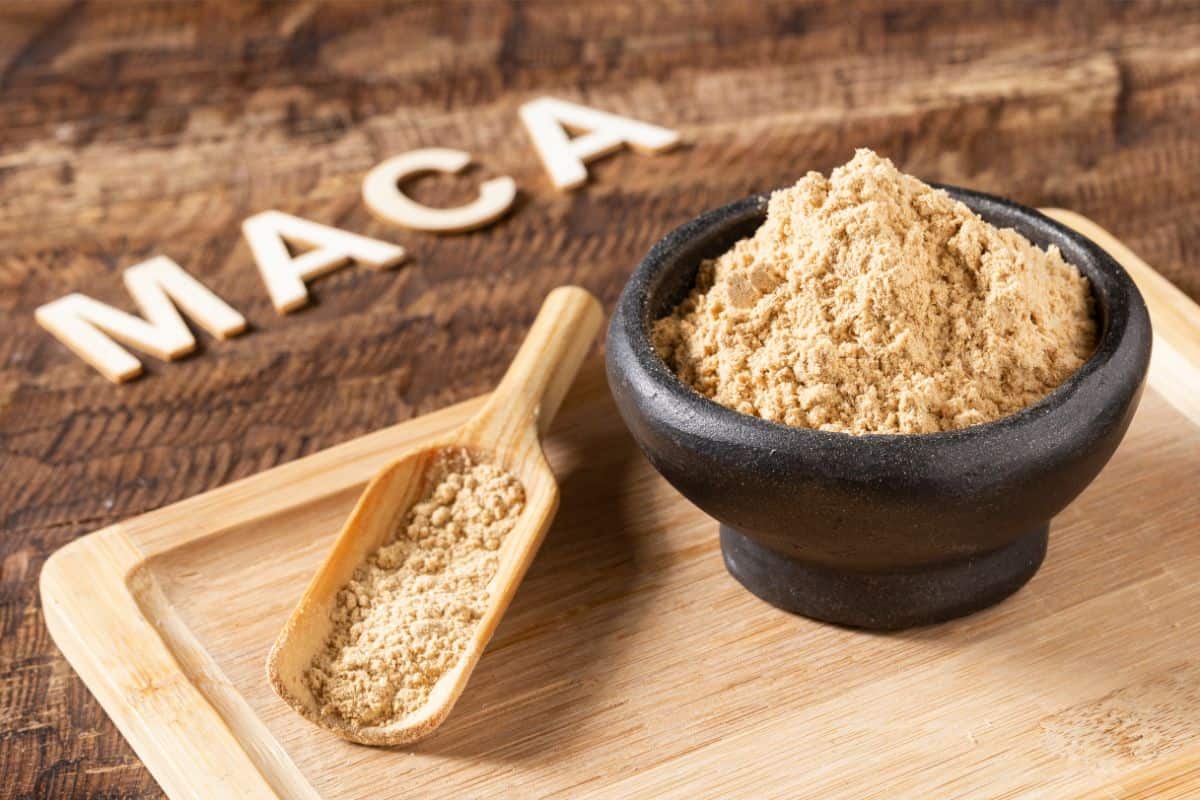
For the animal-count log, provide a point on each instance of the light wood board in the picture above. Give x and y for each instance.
(631, 665)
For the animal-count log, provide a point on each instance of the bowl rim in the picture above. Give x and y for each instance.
(1116, 303)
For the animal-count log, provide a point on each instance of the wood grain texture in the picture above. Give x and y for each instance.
(631, 665)
(137, 128)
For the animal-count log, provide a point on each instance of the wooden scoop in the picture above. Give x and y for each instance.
(505, 432)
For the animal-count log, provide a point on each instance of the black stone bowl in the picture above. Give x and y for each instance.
(878, 531)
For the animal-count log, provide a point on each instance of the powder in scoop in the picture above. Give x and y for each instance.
(870, 302)
(404, 619)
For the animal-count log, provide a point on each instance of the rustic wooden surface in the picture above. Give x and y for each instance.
(136, 128)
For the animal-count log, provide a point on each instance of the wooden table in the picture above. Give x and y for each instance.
(133, 129)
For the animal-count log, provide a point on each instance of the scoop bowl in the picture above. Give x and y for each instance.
(878, 531)
(507, 432)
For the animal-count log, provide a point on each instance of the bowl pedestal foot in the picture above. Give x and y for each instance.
(883, 600)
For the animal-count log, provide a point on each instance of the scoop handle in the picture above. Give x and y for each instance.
(544, 367)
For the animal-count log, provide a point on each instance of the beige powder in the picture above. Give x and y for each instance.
(405, 618)
(869, 302)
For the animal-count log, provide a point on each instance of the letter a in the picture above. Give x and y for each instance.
(564, 157)
(80, 322)
(332, 248)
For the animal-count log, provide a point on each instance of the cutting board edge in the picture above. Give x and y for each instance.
(93, 594)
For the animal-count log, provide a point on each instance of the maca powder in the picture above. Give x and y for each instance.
(869, 302)
(406, 617)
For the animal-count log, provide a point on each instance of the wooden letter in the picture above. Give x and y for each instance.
(383, 197)
(331, 248)
(564, 157)
(81, 323)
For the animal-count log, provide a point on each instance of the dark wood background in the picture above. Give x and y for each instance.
(136, 128)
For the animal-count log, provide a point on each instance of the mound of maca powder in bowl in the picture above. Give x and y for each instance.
(870, 302)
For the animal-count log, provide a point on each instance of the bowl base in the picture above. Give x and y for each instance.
(883, 601)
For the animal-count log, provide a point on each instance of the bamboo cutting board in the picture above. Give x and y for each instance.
(631, 665)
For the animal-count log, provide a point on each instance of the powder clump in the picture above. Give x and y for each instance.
(404, 619)
(870, 302)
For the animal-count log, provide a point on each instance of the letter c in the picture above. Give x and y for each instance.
(383, 197)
